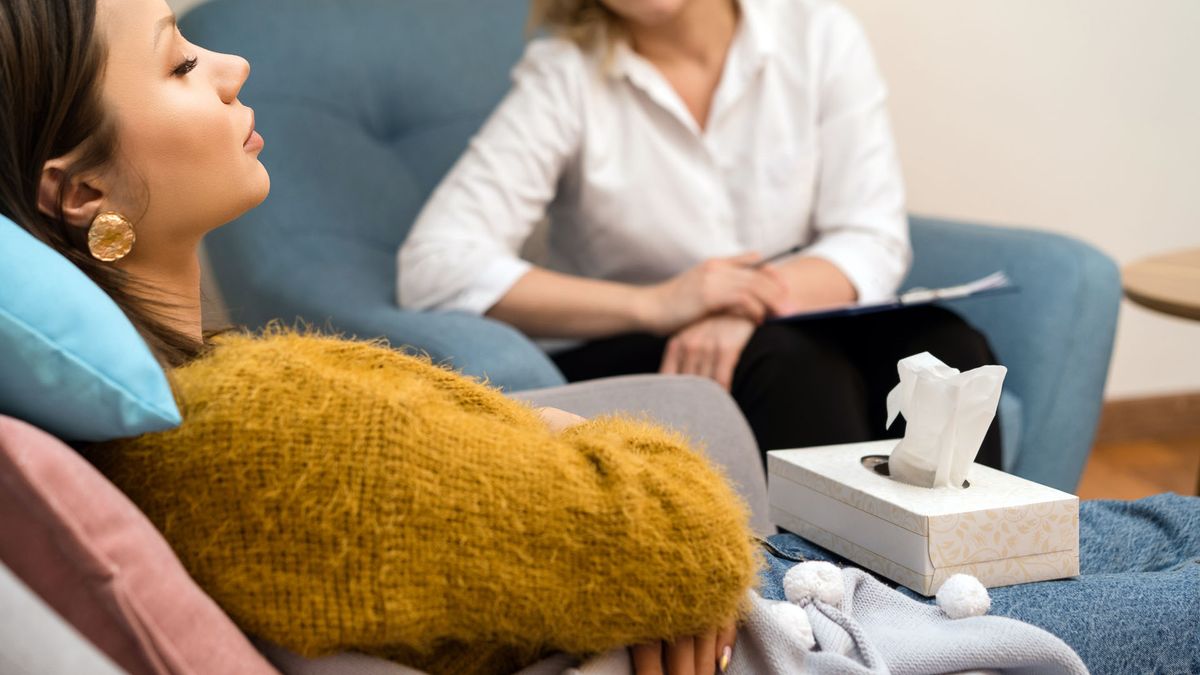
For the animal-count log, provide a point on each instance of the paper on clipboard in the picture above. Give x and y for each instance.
(997, 282)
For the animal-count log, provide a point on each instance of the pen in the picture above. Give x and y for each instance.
(778, 256)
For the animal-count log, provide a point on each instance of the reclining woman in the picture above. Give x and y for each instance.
(677, 147)
(334, 495)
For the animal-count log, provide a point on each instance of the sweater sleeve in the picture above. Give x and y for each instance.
(338, 496)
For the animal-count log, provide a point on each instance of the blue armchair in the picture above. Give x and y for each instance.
(366, 104)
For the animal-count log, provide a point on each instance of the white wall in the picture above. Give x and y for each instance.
(1077, 116)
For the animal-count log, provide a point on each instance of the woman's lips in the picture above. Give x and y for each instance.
(254, 141)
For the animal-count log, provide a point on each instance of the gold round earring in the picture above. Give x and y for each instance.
(110, 236)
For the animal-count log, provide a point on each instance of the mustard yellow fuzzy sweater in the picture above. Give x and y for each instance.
(335, 495)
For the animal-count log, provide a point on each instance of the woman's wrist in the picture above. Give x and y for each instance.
(645, 307)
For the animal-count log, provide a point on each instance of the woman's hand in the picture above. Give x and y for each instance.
(704, 654)
(716, 286)
(558, 420)
(709, 348)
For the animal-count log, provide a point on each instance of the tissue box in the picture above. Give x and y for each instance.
(1002, 529)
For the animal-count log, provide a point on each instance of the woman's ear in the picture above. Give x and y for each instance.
(81, 200)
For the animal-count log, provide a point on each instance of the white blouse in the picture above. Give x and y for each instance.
(797, 151)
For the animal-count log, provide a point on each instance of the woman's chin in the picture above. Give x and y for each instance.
(254, 197)
(261, 187)
(265, 188)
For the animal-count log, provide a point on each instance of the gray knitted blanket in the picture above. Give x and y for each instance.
(877, 630)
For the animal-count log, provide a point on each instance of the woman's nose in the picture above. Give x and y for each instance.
(234, 72)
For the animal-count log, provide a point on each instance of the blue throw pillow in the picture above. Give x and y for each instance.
(70, 362)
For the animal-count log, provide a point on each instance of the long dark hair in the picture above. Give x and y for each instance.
(51, 69)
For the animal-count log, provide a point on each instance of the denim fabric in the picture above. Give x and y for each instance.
(1135, 608)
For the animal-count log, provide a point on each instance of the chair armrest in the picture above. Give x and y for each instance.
(695, 406)
(346, 286)
(477, 346)
(1055, 335)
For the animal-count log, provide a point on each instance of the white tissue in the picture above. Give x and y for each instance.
(948, 413)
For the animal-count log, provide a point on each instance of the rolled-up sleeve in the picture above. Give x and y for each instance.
(463, 251)
(859, 214)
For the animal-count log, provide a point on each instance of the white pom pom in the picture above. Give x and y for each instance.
(794, 621)
(814, 580)
(962, 595)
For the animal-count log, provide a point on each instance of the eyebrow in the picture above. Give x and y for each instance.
(161, 25)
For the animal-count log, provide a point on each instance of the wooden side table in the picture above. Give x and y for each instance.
(1168, 283)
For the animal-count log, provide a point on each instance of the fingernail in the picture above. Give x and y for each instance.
(726, 654)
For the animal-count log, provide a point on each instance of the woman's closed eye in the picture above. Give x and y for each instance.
(186, 67)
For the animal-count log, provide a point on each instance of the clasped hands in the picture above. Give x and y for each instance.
(711, 311)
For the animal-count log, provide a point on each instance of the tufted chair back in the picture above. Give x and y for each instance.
(364, 104)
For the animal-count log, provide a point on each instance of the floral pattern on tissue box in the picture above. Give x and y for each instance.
(979, 536)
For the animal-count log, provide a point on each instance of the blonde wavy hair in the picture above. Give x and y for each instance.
(584, 22)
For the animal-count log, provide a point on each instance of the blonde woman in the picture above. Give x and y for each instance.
(677, 146)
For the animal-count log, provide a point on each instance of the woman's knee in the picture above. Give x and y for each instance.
(798, 390)
(783, 348)
(785, 358)
(950, 338)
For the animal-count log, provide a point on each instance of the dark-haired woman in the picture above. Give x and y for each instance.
(322, 490)
(121, 144)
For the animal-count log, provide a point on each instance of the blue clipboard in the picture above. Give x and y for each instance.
(993, 284)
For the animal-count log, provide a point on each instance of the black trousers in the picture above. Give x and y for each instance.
(816, 382)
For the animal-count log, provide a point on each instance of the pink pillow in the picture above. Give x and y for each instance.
(81, 545)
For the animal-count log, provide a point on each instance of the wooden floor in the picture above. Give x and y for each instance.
(1135, 469)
